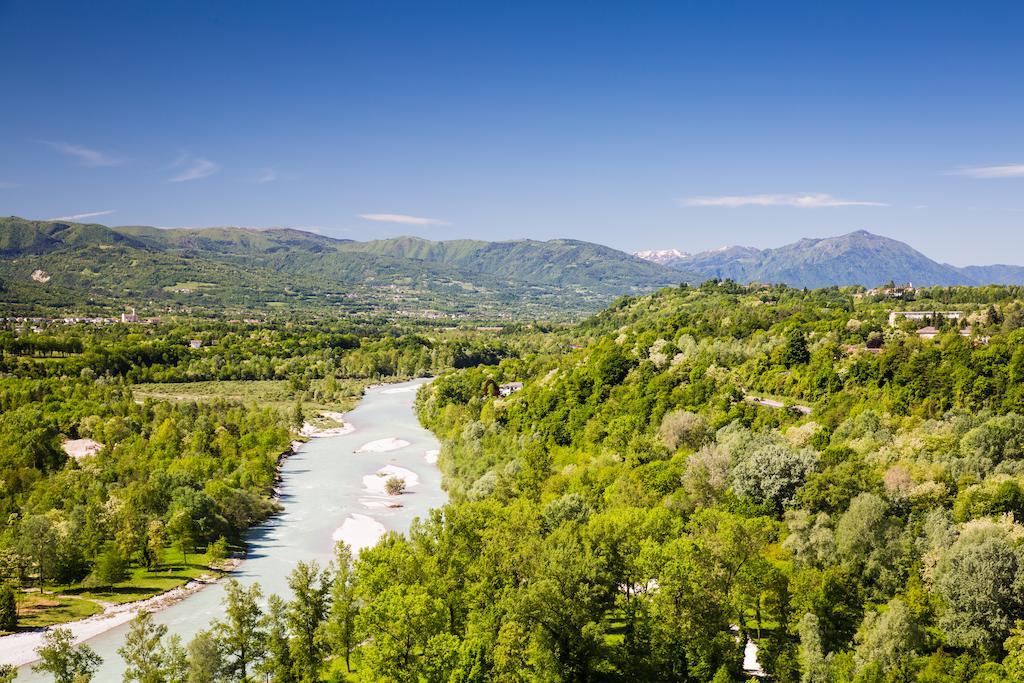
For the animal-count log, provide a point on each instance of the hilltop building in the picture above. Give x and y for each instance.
(895, 316)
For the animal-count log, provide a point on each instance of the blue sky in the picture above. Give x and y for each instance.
(638, 125)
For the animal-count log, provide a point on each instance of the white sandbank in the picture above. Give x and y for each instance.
(80, 448)
(359, 531)
(312, 431)
(431, 457)
(375, 482)
(382, 445)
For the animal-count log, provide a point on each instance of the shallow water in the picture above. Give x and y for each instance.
(322, 485)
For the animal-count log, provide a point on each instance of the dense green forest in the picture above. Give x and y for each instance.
(681, 478)
(632, 515)
(176, 469)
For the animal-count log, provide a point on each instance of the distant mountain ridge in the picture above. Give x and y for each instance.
(248, 268)
(857, 258)
(226, 268)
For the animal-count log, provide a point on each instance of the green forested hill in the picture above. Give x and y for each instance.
(633, 514)
(21, 237)
(554, 262)
(92, 266)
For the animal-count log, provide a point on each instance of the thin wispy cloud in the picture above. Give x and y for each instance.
(400, 218)
(1004, 171)
(800, 201)
(268, 175)
(193, 168)
(85, 155)
(80, 216)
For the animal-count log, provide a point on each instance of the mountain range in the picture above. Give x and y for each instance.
(857, 258)
(60, 266)
(91, 265)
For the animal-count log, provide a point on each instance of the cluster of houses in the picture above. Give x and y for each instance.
(892, 291)
(930, 331)
(127, 317)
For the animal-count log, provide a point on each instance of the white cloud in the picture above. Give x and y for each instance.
(193, 168)
(268, 175)
(801, 201)
(85, 155)
(400, 218)
(1006, 171)
(80, 216)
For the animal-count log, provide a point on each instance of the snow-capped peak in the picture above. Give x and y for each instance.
(661, 256)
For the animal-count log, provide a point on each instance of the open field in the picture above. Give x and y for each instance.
(278, 394)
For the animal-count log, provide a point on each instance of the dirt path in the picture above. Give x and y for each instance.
(771, 403)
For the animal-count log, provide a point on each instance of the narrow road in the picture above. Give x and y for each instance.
(770, 403)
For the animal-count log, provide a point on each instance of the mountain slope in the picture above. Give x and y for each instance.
(856, 258)
(19, 236)
(219, 268)
(560, 262)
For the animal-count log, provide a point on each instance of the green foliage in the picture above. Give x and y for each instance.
(110, 567)
(678, 474)
(8, 608)
(240, 635)
(244, 269)
(143, 652)
(67, 663)
(306, 614)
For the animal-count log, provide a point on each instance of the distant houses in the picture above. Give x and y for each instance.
(195, 344)
(931, 332)
(893, 291)
(509, 388)
(129, 317)
(896, 316)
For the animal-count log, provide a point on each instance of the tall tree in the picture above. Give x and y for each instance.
(111, 567)
(66, 663)
(341, 623)
(8, 608)
(183, 529)
(142, 651)
(307, 612)
(205, 659)
(240, 633)
(37, 541)
(278, 664)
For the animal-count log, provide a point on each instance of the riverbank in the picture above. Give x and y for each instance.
(19, 649)
(321, 486)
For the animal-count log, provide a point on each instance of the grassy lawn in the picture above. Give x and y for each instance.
(61, 604)
(144, 584)
(274, 393)
(36, 610)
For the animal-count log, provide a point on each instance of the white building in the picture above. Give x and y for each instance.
(509, 388)
(894, 316)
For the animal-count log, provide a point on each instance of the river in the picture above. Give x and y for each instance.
(322, 487)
